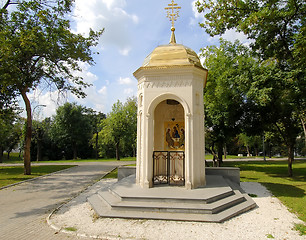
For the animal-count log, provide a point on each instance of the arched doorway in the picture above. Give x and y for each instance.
(169, 144)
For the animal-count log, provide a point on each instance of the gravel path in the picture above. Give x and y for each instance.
(270, 220)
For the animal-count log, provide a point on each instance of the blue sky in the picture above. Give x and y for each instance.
(133, 28)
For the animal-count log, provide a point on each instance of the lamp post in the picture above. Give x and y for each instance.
(39, 133)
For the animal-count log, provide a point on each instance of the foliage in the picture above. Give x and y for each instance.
(38, 49)
(119, 129)
(71, 129)
(95, 120)
(250, 142)
(10, 133)
(230, 70)
(278, 87)
(277, 27)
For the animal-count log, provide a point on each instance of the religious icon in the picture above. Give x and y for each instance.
(174, 136)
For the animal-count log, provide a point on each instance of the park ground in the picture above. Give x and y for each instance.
(272, 174)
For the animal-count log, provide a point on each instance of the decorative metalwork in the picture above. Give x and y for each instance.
(169, 168)
(172, 12)
(176, 176)
(160, 167)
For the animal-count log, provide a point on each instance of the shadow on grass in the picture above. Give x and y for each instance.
(274, 169)
(250, 179)
(284, 190)
(36, 170)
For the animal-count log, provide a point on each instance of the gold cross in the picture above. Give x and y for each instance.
(172, 12)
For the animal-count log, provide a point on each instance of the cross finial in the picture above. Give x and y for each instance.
(172, 14)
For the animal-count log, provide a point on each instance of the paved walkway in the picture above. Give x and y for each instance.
(25, 207)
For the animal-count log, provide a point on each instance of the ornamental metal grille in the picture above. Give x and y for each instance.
(169, 168)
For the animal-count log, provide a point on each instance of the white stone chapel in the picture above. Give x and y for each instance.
(170, 148)
(170, 130)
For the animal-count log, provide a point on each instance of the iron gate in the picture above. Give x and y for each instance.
(169, 168)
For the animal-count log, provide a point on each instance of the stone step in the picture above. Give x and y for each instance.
(218, 201)
(173, 199)
(104, 211)
(198, 206)
(171, 194)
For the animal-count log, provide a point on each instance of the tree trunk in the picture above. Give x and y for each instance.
(304, 128)
(117, 151)
(220, 154)
(8, 155)
(290, 159)
(8, 2)
(97, 138)
(1, 154)
(38, 157)
(225, 150)
(28, 136)
(270, 150)
(248, 150)
(75, 154)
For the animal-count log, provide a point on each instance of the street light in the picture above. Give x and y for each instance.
(40, 105)
(38, 156)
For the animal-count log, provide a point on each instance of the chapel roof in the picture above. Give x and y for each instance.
(172, 54)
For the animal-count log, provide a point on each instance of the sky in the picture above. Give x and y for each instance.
(133, 29)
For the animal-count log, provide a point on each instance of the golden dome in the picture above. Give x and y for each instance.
(172, 55)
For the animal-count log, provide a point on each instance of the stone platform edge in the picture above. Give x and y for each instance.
(230, 173)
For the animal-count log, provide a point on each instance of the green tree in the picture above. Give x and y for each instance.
(230, 70)
(278, 95)
(10, 132)
(71, 128)
(119, 129)
(95, 120)
(277, 29)
(38, 48)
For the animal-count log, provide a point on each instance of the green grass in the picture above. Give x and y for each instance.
(93, 160)
(71, 229)
(301, 228)
(14, 158)
(11, 175)
(112, 174)
(274, 176)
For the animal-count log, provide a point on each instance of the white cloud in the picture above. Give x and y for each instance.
(125, 51)
(103, 90)
(197, 17)
(108, 14)
(128, 91)
(232, 35)
(126, 81)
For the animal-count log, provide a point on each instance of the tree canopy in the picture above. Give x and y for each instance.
(38, 49)
(71, 128)
(119, 129)
(230, 71)
(277, 30)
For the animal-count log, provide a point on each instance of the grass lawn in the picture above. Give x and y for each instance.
(10, 175)
(273, 175)
(14, 158)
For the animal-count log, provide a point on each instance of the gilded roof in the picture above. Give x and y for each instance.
(172, 55)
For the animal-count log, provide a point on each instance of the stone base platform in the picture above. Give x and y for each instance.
(218, 201)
